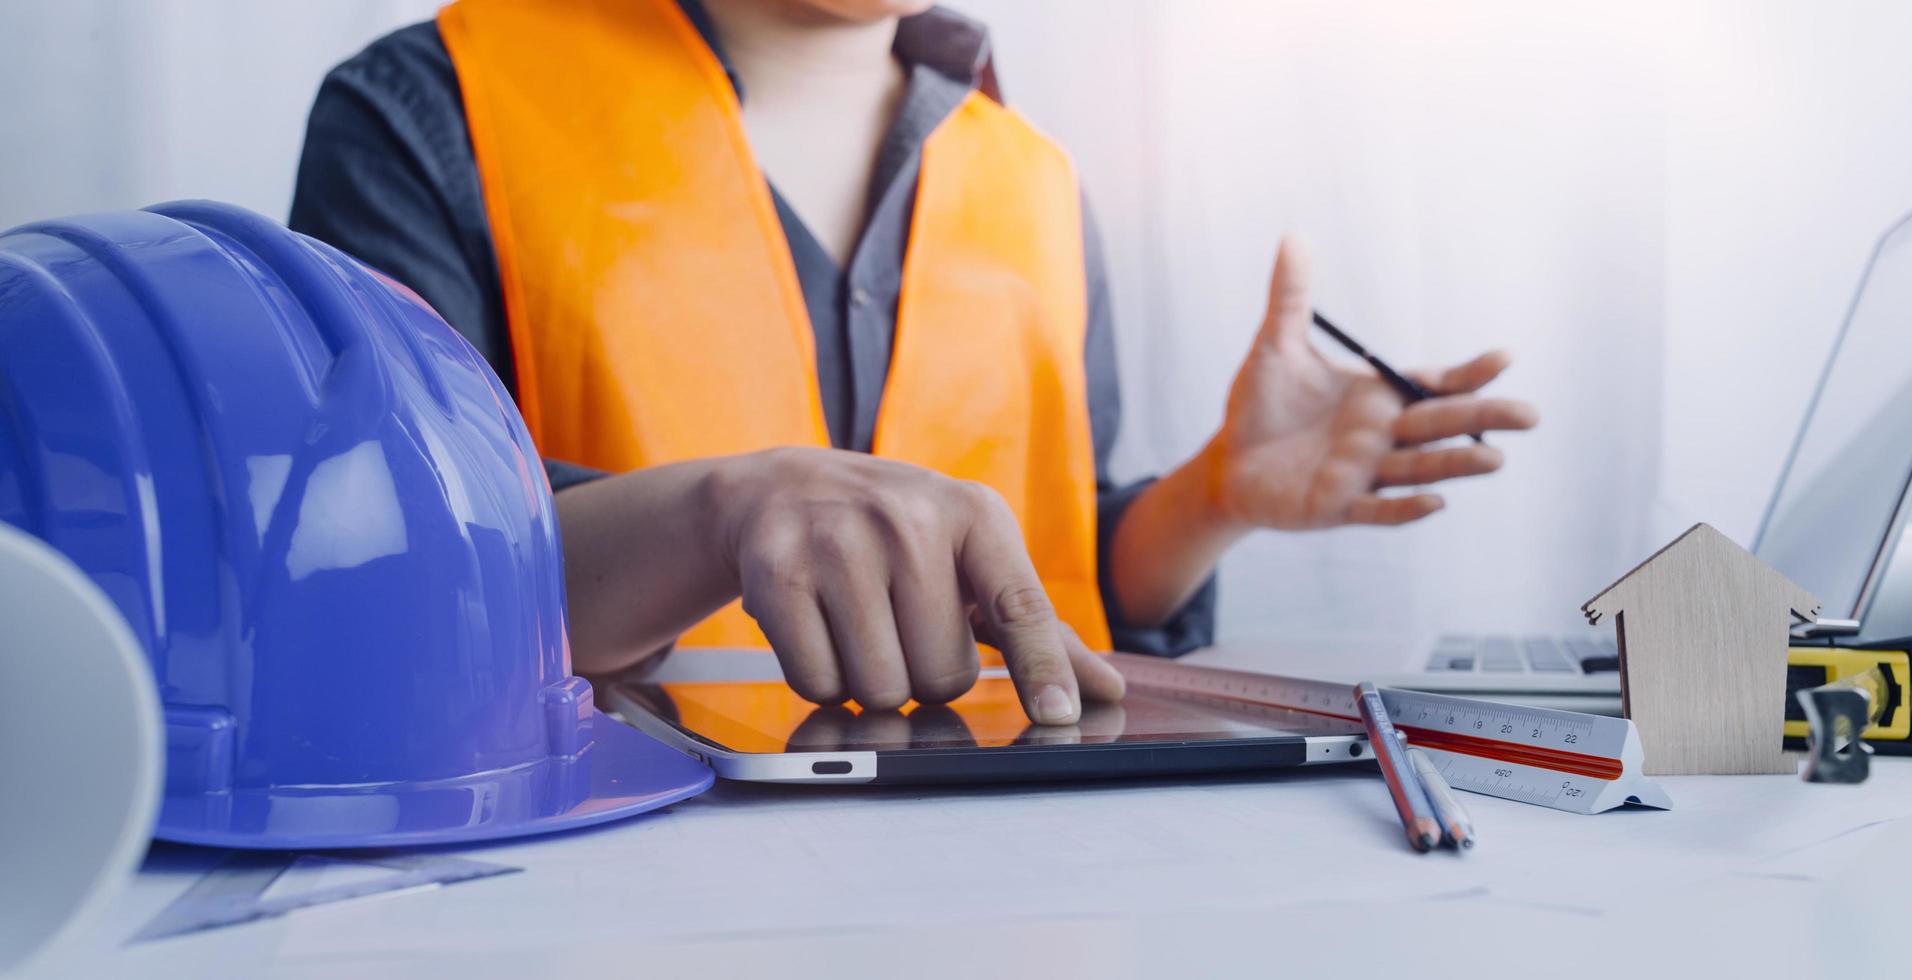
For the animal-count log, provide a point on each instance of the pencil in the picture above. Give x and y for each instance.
(1411, 390)
(1453, 816)
(1410, 800)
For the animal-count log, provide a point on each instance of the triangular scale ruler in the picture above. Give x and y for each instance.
(1566, 760)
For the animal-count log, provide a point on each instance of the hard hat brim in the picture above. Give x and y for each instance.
(623, 773)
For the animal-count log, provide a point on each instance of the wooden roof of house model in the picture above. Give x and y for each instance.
(1706, 544)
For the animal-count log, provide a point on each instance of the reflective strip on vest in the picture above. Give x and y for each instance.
(654, 309)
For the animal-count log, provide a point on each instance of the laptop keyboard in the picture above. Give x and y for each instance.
(1524, 655)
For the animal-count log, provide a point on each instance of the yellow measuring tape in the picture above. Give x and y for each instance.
(1886, 675)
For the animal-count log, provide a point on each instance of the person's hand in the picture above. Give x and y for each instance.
(1309, 443)
(875, 579)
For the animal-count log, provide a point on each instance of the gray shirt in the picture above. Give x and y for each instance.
(389, 177)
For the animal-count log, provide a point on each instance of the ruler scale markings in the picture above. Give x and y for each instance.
(1561, 759)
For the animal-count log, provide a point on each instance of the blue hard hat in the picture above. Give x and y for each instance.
(326, 523)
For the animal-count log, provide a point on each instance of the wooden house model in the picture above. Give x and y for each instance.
(1703, 628)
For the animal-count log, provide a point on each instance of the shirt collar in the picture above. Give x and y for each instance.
(952, 44)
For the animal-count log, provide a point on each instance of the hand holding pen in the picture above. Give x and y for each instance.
(1411, 390)
(1312, 442)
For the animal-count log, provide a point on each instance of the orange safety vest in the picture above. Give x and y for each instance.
(654, 308)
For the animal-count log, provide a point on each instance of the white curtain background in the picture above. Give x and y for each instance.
(1661, 209)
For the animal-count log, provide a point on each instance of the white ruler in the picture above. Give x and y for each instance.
(1562, 759)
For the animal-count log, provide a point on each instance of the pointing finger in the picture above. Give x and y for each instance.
(1016, 616)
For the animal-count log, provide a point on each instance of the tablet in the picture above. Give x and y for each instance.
(757, 729)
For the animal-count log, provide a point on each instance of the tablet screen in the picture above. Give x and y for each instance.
(766, 716)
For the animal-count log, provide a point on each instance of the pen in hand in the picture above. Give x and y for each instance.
(1411, 390)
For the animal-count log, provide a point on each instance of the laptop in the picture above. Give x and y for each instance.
(1831, 524)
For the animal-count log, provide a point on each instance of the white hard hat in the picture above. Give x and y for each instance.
(79, 749)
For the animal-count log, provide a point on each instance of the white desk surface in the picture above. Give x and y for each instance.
(1296, 873)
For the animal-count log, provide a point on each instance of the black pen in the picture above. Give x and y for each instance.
(1411, 390)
